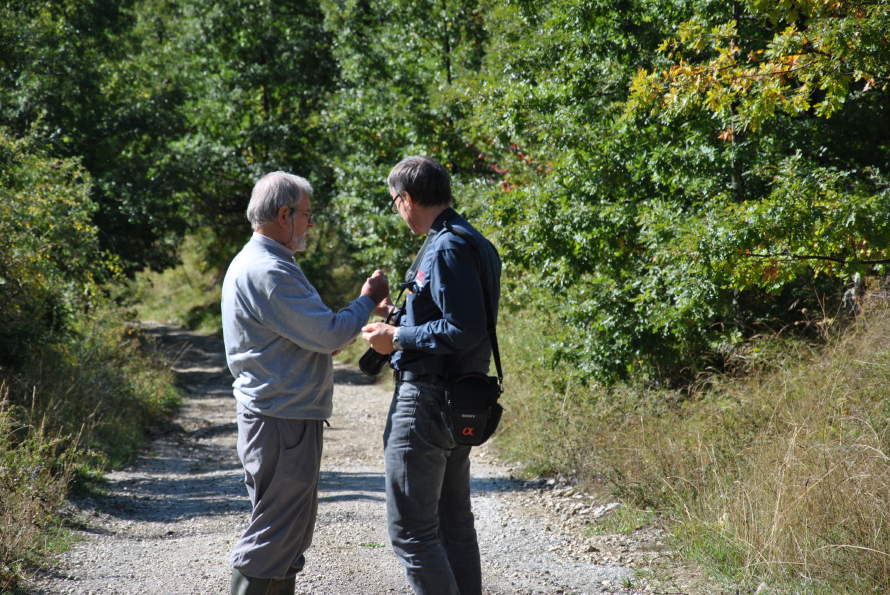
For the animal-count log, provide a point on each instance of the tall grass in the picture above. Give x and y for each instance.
(77, 407)
(782, 475)
(35, 469)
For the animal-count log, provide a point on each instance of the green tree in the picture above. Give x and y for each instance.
(660, 240)
(398, 94)
(819, 73)
(85, 77)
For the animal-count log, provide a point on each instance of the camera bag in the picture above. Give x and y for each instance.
(472, 407)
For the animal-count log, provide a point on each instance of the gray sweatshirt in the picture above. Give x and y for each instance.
(279, 335)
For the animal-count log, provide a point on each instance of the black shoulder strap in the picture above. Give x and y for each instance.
(408, 279)
(492, 329)
(412, 270)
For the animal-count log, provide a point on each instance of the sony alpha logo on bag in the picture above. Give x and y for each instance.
(468, 431)
(468, 415)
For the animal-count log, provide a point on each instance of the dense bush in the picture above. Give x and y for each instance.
(50, 262)
(676, 176)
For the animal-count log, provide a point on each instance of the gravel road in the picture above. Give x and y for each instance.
(166, 524)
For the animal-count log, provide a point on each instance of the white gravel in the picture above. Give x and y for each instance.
(166, 524)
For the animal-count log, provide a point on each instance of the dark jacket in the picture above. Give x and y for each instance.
(444, 329)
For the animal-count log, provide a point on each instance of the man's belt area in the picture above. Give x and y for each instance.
(409, 376)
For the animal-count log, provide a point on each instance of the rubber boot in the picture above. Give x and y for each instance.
(248, 585)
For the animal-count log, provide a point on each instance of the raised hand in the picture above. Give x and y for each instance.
(376, 287)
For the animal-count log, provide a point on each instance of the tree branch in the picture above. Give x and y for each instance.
(790, 256)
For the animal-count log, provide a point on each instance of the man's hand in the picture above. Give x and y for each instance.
(376, 287)
(379, 335)
(384, 307)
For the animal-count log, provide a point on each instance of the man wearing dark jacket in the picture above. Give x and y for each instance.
(443, 335)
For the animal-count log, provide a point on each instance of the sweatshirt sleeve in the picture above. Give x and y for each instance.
(295, 311)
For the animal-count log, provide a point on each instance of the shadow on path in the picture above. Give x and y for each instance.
(154, 499)
(350, 486)
(186, 477)
(353, 376)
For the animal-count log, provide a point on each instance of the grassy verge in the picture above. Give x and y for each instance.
(186, 295)
(76, 408)
(781, 476)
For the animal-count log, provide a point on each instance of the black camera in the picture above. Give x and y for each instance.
(372, 362)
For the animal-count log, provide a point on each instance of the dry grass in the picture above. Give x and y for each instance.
(34, 474)
(76, 407)
(809, 498)
(782, 476)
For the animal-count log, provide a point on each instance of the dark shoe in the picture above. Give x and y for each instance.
(248, 585)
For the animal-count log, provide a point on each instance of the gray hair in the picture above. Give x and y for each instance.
(273, 191)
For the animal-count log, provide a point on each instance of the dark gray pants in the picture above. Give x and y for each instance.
(428, 495)
(281, 459)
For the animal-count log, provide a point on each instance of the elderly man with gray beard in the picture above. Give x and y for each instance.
(279, 338)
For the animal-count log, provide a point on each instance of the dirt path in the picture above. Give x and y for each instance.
(166, 524)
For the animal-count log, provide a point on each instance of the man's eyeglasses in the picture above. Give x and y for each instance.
(393, 206)
(307, 213)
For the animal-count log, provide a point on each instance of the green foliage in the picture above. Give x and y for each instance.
(259, 74)
(186, 295)
(71, 411)
(667, 240)
(666, 172)
(815, 54)
(399, 66)
(78, 76)
(75, 392)
(50, 262)
(102, 389)
(174, 110)
(815, 219)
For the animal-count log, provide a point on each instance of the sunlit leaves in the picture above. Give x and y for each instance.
(815, 219)
(50, 262)
(814, 54)
(660, 176)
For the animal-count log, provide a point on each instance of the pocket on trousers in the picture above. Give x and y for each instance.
(299, 455)
(292, 433)
(432, 427)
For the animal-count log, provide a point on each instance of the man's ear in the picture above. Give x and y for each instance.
(407, 197)
(283, 214)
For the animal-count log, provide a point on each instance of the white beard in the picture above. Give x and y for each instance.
(299, 243)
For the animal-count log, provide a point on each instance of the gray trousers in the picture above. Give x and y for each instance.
(430, 521)
(281, 459)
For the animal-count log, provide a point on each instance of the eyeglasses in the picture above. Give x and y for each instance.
(307, 213)
(393, 206)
